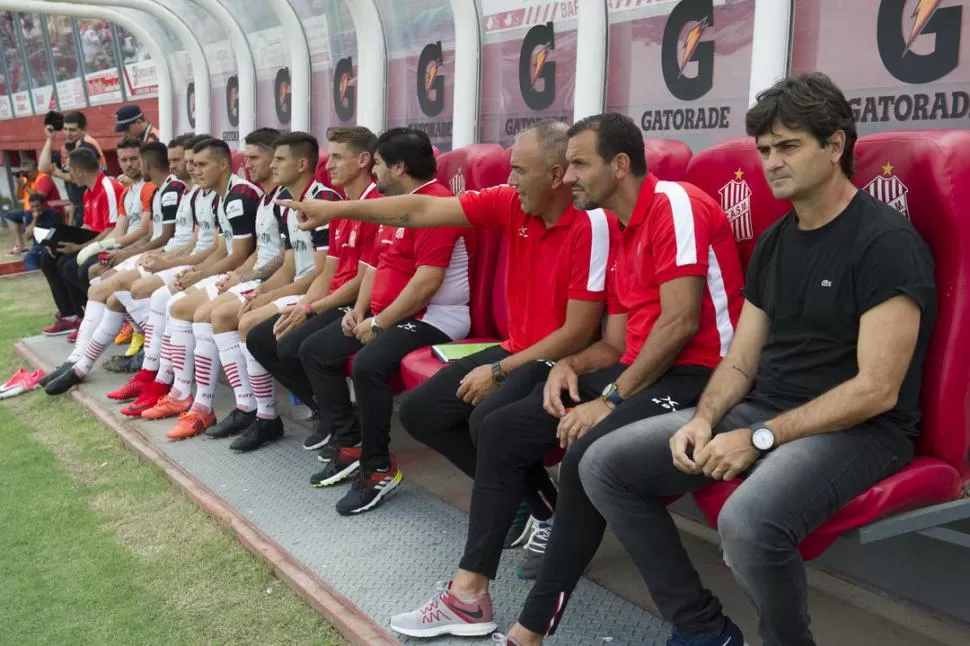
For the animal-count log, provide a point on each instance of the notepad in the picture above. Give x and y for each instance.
(448, 352)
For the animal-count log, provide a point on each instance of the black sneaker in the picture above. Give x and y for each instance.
(345, 464)
(233, 424)
(535, 549)
(315, 441)
(55, 373)
(519, 530)
(369, 490)
(63, 382)
(260, 432)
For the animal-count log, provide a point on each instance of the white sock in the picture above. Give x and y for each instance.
(234, 363)
(206, 367)
(101, 339)
(140, 310)
(155, 328)
(93, 312)
(263, 388)
(124, 297)
(182, 347)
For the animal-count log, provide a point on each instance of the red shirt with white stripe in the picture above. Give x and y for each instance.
(348, 241)
(102, 203)
(677, 230)
(548, 266)
(401, 251)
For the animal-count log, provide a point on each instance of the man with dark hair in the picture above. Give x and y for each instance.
(817, 399)
(195, 240)
(68, 282)
(30, 182)
(55, 163)
(242, 216)
(131, 121)
(294, 162)
(414, 294)
(275, 343)
(110, 298)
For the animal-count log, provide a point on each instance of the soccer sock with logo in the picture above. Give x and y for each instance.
(93, 312)
(182, 348)
(206, 367)
(234, 363)
(155, 328)
(110, 324)
(140, 310)
(263, 389)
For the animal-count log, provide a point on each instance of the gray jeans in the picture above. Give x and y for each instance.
(786, 495)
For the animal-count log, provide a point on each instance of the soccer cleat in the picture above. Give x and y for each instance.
(190, 424)
(136, 344)
(519, 530)
(233, 424)
(150, 395)
(124, 334)
(133, 388)
(535, 549)
(315, 441)
(14, 380)
(344, 465)
(26, 381)
(167, 406)
(63, 383)
(369, 490)
(446, 614)
(260, 432)
(56, 372)
(730, 635)
(61, 326)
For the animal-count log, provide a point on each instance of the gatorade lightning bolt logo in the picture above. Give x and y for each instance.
(430, 75)
(691, 41)
(344, 86)
(542, 53)
(922, 13)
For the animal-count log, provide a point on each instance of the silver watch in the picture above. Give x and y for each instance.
(762, 437)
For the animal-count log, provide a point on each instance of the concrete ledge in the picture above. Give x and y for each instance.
(354, 624)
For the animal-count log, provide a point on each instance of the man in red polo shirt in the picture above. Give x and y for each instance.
(415, 294)
(556, 285)
(67, 281)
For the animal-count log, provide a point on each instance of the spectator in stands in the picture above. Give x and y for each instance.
(131, 121)
(30, 182)
(817, 399)
(110, 298)
(293, 164)
(195, 240)
(415, 293)
(555, 313)
(40, 216)
(194, 350)
(56, 163)
(275, 343)
(68, 282)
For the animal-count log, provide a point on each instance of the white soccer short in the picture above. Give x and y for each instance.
(242, 290)
(283, 302)
(130, 264)
(168, 276)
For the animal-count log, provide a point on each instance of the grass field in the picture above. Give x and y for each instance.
(97, 548)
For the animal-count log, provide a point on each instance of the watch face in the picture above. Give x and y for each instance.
(610, 388)
(763, 439)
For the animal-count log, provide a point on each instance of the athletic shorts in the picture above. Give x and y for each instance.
(283, 302)
(208, 285)
(243, 290)
(168, 276)
(130, 264)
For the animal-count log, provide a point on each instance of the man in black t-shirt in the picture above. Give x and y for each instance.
(816, 399)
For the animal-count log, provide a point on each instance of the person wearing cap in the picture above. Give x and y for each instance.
(130, 120)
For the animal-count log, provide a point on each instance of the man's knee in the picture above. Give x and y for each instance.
(224, 317)
(184, 308)
(249, 321)
(369, 364)
(145, 287)
(114, 304)
(260, 338)
(746, 527)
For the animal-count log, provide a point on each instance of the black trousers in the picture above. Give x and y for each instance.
(61, 272)
(324, 355)
(579, 527)
(282, 358)
(433, 415)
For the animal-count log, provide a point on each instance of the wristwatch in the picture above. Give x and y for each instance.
(310, 313)
(762, 437)
(612, 395)
(375, 327)
(498, 375)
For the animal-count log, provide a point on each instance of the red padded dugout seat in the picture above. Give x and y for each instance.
(667, 158)
(925, 175)
(239, 164)
(470, 168)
